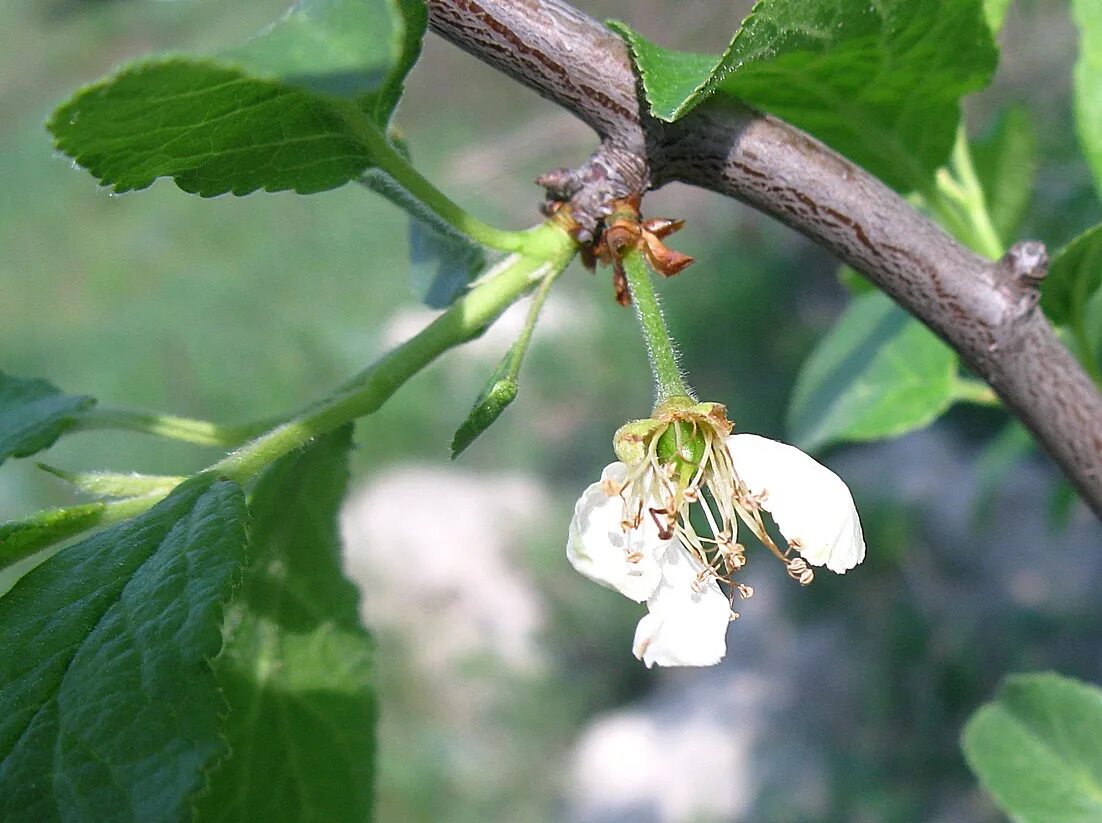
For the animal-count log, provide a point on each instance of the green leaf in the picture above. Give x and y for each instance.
(108, 706)
(995, 12)
(33, 414)
(297, 665)
(878, 373)
(303, 106)
(854, 281)
(1088, 83)
(1074, 277)
(19, 539)
(879, 82)
(1006, 164)
(1092, 325)
(1038, 749)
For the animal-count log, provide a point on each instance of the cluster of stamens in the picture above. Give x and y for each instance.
(682, 464)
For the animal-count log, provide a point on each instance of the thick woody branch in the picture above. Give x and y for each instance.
(986, 311)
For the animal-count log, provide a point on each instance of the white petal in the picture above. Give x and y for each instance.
(810, 504)
(599, 548)
(687, 620)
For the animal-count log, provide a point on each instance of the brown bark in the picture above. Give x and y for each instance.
(987, 311)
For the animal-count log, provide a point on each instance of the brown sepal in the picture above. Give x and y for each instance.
(663, 226)
(663, 259)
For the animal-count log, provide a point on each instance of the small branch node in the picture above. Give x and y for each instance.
(1026, 264)
(610, 174)
(1019, 274)
(560, 184)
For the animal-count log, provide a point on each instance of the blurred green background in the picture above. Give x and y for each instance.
(511, 694)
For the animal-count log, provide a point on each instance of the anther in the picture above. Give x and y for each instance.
(734, 556)
(799, 571)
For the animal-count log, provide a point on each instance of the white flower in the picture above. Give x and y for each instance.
(632, 531)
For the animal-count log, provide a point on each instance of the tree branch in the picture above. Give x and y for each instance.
(986, 311)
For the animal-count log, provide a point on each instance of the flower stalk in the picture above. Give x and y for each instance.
(668, 379)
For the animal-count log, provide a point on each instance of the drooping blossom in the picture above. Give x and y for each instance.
(634, 530)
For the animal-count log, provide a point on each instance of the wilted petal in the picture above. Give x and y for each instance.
(599, 548)
(688, 618)
(810, 504)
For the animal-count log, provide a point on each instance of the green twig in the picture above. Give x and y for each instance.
(467, 318)
(464, 320)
